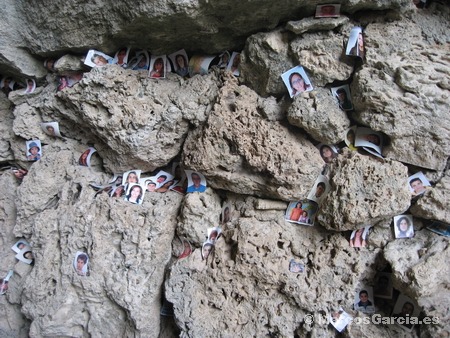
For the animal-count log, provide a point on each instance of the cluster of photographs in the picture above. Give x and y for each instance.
(132, 186)
(8, 84)
(367, 298)
(23, 251)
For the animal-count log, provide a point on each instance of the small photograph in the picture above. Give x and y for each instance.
(51, 128)
(224, 59)
(343, 97)
(19, 173)
(355, 45)
(199, 64)
(404, 309)
(31, 86)
(19, 245)
(33, 150)
(225, 215)
(418, 184)
(403, 226)
(62, 83)
(7, 85)
(25, 255)
(85, 158)
(358, 238)
(440, 228)
(328, 11)
(383, 288)
(187, 249)
(302, 212)
(135, 194)
(131, 177)
(234, 63)
(95, 58)
(181, 247)
(328, 152)
(196, 181)
(4, 282)
(180, 62)
(370, 140)
(339, 319)
(141, 61)
(73, 78)
(148, 183)
(296, 81)
(350, 138)
(320, 189)
(116, 179)
(207, 248)
(49, 64)
(118, 191)
(81, 263)
(214, 234)
(121, 57)
(364, 300)
(162, 177)
(158, 67)
(166, 186)
(296, 267)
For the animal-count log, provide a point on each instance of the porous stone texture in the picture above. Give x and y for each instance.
(242, 152)
(403, 89)
(435, 203)
(319, 115)
(364, 190)
(313, 24)
(6, 123)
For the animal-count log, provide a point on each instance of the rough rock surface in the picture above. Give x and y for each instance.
(6, 123)
(240, 151)
(364, 191)
(314, 24)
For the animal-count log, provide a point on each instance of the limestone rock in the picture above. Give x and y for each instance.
(68, 63)
(364, 191)
(6, 123)
(314, 24)
(319, 115)
(238, 150)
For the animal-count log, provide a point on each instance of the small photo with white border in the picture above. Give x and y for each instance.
(404, 309)
(296, 81)
(51, 128)
(81, 263)
(328, 11)
(364, 300)
(320, 189)
(418, 184)
(403, 226)
(95, 58)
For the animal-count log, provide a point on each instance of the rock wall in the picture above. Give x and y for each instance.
(257, 149)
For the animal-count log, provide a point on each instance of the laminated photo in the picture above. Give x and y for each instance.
(95, 58)
(180, 62)
(418, 184)
(166, 186)
(355, 45)
(404, 309)
(181, 247)
(85, 158)
(343, 97)
(81, 263)
(328, 11)
(51, 128)
(320, 189)
(135, 194)
(33, 150)
(403, 226)
(149, 183)
(296, 81)
(358, 238)
(163, 177)
(383, 288)
(302, 212)
(158, 67)
(364, 300)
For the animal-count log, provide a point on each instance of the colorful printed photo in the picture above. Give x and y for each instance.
(364, 300)
(158, 65)
(199, 64)
(81, 263)
(180, 62)
(85, 158)
(320, 189)
(358, 238)
(51, 128)
(95, 58)
(403, 226)
(328, 11)
(33, 150)
(302, 212)
(135, 194)
(296, 81)
(328, 152)
(404, 309)
(196, 181)
(355, 45)
(121, 57)
(343, 97)
(418, 184)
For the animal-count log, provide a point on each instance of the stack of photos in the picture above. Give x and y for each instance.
(181, 247)
(95, 58)
(296, 81)
(355, 45)
(224, 59)
(406, 312)
(364, 300)
(180, 62)
(23, 251)
(233, 65)
(403, 226)
(4, 282)
(158, 67)
(208, 245)
(225, 215)
(121, 57)
(358, 238)
(320, 189)
(51, 128)
(85, 158)
(418, 184)
(33, 150)
(296, 267)
(339, 319)
(328, 11)
(30, 86)
(196, 181)
(440, 228)
(343, 97)
(384, 288)
(141, 61)
(199, 64)
(81, 263)
(302, 212)
(350, 138)
(328, 152)
(371, 141)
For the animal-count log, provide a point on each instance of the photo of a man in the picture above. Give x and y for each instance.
(80, 263)
(196, 181)
(418, 184)
(364, 300)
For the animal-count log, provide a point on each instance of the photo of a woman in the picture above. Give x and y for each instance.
(158, 70)
(403, 226)
(135, 194)
(296, 81)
